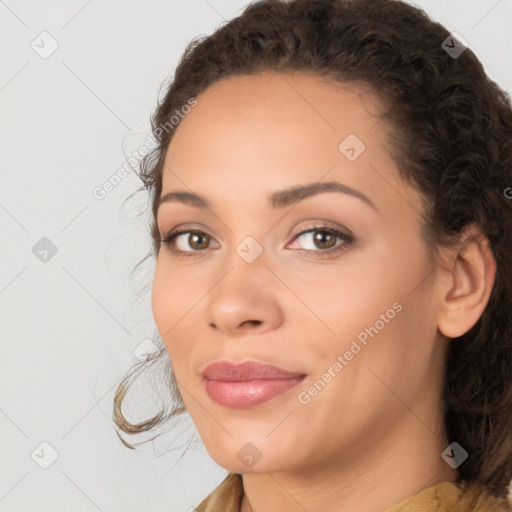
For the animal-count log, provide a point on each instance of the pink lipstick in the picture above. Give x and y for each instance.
(247, 384)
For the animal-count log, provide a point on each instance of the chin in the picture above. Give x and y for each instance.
(247, 457)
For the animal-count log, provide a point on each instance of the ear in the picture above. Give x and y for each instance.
(465, 286)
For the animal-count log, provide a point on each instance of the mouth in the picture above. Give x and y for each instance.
(247, 384)
(249, 393)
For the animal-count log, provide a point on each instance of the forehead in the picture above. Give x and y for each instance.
(270, 130)
(275, 98)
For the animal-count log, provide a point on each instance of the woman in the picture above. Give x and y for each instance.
(332, 233)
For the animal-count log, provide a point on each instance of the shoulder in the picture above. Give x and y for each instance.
(453, 497)
(476, 497)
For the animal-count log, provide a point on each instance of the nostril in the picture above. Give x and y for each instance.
(253, 322)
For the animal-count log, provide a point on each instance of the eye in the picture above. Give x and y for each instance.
(195, 238)
(320, 239)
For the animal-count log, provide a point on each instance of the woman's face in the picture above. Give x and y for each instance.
(268, 280)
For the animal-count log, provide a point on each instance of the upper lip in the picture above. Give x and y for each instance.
(248, 370)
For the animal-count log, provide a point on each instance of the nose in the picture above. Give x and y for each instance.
(246, 300)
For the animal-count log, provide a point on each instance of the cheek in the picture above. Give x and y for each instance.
(175, 306)
(350, 296)
(364, 302)
(168, 292)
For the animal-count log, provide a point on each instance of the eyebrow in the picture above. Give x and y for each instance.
(278, 199)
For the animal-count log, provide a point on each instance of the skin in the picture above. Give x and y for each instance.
(374, 434)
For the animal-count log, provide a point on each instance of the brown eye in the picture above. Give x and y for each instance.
(187, 242)
(323, 240)
(198, 241)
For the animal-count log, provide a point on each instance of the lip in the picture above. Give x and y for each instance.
(247, 370)
(247, 384)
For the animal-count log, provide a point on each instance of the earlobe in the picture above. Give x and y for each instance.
(469, 279)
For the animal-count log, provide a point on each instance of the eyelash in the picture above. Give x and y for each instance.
(168, 241)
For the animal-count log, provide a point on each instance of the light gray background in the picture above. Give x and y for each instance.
(69, 325)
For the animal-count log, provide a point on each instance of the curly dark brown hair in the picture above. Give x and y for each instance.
(451, 128)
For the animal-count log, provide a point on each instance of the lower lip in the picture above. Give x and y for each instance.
(242, 395)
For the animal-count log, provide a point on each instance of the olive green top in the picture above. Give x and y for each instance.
(442, 497)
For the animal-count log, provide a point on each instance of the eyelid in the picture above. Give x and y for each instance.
(185, 227)
(317, 223)
(322, 224)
